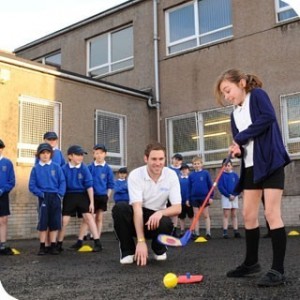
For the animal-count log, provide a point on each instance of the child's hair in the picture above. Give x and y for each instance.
(154, 146)
(235, 76)
(197, 158)
(229, 161)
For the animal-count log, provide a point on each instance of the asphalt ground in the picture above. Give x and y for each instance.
(87, 275)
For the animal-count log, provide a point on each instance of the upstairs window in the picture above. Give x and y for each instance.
(36, 116)
(110, 52)
(284, 12)
(290, 113)
(198, 23)
(111, 131)
(53, 59)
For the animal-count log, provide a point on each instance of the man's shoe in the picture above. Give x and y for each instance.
(244, 270)
(160, 257)
(6, 251)
(127, 260)
(271, 278)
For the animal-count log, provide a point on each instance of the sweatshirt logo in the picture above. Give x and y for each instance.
(80, 176)
(4, 168)
(53, 172)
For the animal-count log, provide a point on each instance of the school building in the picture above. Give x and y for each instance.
(143, 71)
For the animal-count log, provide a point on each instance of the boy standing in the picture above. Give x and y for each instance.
(103, 184)
(186, 209)
(7, 183)
(48, 183)
(51, 138)
(199, 185)
(230, 202)
(79, 195)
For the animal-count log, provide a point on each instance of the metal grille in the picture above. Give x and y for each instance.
(110, 130)
(36, 117)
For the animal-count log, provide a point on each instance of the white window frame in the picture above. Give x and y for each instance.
(55, 126)
(197, 36)
(109, 64)
(285, 122)
(122, 155)
(44, 59)
(200, 136)
(279, 10)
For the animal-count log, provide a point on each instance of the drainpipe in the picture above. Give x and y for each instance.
(156, 68)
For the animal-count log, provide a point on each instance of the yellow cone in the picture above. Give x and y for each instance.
(15, 251)
(85, 248)
(293, 233)
(201, 239)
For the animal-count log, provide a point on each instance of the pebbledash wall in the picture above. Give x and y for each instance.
(80, 99)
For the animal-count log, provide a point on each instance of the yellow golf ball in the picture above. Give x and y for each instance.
(170, 280)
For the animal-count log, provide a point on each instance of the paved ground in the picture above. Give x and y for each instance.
(85, 276)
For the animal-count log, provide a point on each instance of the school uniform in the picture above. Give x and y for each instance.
(103, 179)
(48, 183)
(121, 191)
(7, 183)
(200, 184)
(78, 180)
(226, 186)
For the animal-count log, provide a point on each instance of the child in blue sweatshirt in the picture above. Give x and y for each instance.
(7, 183)
(229, 198)
(186, 210)
(199, 185)
(48, 183)
(121, 187)
(79, 196)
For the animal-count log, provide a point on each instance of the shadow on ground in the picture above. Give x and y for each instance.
(85, 276)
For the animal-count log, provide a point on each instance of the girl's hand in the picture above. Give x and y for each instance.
(235, 150)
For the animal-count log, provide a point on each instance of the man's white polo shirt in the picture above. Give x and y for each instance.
(154, 195)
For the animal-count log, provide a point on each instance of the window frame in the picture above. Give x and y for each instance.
(122, 134)
(109, 64)
(56, 126)
(285, 126)
(197, 36)
(43, 59)
(199, 119)
(279, 10)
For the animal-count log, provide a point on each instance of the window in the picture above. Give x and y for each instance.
(37, 116)
(53, 59)
(110, 52)
(110, 130)
(198, 23)
(284, 12)
(291, 122)
(205, 133)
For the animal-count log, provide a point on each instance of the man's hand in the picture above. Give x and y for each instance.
(153, 221)
(141, 253)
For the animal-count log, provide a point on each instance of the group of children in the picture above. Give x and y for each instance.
(64, 190)
(195, 185)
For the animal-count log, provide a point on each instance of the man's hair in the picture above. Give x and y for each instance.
(154, 146)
